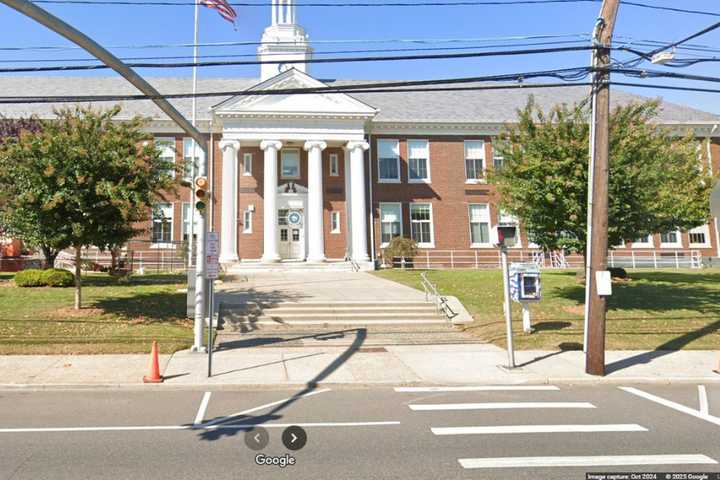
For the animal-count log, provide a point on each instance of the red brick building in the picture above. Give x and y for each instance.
(332, 176)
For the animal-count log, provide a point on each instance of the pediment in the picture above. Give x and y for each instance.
(323, 104)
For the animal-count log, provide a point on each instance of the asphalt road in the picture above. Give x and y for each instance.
(373, 433)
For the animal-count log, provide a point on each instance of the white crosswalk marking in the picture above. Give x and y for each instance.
(503, 429)
(593, 461)
(498, 405)
(477, 388)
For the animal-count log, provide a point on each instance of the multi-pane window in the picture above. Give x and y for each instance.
(390, 222)
(193, 159)
(498, 159)
(290, 164)
(421, 228)
(699, 236)
(334, 168)
(644, 241)
(479, 224)
(247, 221)
(418, 160)
(162, 223)
(247, 164)
(388, 160)
(186, 221)
(670, 238)
(166, 147)
(474, 160)
(334, 222)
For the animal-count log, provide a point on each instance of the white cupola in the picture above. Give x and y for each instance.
(285, 41)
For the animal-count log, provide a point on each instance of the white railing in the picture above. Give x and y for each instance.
(490, 258)
(431, 294)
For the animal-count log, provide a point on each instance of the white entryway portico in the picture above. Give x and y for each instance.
(281, 124)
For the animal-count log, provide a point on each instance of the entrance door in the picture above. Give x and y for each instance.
(291, 234)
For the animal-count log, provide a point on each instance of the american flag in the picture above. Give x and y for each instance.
(223, 7)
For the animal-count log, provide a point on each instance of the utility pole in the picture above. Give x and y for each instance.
(595, 345)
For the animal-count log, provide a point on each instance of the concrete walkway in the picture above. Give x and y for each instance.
(356, 366)
(308, 286)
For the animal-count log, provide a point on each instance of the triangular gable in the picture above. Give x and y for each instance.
(315, 103)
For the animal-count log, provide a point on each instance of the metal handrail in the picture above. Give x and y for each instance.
(355, 265)
(431, 292)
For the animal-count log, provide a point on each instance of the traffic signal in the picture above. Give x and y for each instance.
(504, 236)
(201, 193)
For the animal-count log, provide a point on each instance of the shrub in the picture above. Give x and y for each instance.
(617, 272)
(29, 278)
(56, 277)
(52, 277)
(401, 247)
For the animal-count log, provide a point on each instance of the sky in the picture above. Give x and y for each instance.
(116, 26)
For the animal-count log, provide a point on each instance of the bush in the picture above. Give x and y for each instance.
(401, 247)
(52, 277)
(56, 277)
(29, 278)
(618, 272)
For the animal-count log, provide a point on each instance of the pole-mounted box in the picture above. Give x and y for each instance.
(525, 282)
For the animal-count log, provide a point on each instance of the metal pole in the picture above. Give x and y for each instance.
(193, 119)
(508, 311)
(199, 286)
(211, 316)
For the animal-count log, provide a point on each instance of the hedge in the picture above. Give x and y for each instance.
(52, 277)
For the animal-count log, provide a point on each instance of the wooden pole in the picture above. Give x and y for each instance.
(595, 351)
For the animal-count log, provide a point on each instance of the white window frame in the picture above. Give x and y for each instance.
(496, 156)
(335, 222)
(484, 162)
(397, 161)
(705, 229)
(489, 222)
(185, 220)
(247, 221)
(166, 146)
(247, 165)
(431, 243)
(163, 244)
(398, 206)
(676, 244)
(282, 161)
(650, 244)
(334, 165)
(426, 179)
(187, 158)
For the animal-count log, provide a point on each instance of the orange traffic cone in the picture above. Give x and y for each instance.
(154, 376)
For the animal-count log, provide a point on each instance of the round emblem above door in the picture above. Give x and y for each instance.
(294, 218)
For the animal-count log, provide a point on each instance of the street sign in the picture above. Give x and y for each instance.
(212, 247)
(715, 201)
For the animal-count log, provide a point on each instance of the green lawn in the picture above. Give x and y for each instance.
(665, 310)
(116, 318)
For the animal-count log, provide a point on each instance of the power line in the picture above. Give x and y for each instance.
(107, 98)
(670, 9)
(250, 55)
(440, 56)
(460, 3)
(423, 41)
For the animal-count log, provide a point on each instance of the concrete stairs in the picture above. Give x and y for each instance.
(322, 323)
(240, 268)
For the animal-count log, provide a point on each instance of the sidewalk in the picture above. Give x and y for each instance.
(391, 365)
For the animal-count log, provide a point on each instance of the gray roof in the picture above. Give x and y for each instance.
(487, 106)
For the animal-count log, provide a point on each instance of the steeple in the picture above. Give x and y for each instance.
(283, 41)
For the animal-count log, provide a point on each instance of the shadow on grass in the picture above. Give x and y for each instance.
(151, 307)
(105, 280)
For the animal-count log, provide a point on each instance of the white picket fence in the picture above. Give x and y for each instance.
(490, 258)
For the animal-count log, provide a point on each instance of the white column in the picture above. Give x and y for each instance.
(348, 196)
(357, 200)
(270, 244)
(228, 214)
(314, 215)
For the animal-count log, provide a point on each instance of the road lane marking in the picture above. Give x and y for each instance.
(673, 405)
(202, 409)
(497, 405)
(262, 407)
(502, 429)
(244, 426)
(479, 388)
(596, 461)
(703, 398)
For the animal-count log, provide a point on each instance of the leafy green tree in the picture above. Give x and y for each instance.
(658, 182)
(83, 179)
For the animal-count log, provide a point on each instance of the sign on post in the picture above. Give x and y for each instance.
(212, 249)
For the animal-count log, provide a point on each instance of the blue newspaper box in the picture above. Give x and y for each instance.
(524, 282)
